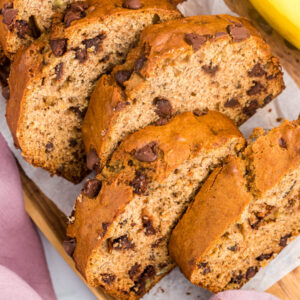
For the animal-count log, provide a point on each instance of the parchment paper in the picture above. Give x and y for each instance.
(175, 286)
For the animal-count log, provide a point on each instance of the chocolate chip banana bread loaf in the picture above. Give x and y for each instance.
(247, 211)
(202, 62)
(52, 79)
(123, 218)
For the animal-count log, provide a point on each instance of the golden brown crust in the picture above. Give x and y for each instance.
(184, 137)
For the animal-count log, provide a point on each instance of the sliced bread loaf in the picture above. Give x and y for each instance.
(190, 64)
(122, 232)
(244, 215)
(52, 79)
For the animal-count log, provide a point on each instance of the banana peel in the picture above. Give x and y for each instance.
(283, 16)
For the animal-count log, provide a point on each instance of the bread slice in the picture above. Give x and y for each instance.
(244, 215)
(122, 232)
(196, 63)
(23, 21)
(52, 79)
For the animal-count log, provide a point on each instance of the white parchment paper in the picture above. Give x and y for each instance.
(175, 286)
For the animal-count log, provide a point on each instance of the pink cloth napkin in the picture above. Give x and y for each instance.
(23, 270)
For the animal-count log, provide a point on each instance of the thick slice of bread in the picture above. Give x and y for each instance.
(244, 215)
(122, 232)
(195, 63)
(52, 79)
(22, 21)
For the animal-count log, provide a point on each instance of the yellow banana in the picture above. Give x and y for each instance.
(283, 15)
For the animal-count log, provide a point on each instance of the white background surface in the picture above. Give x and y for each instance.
(66, 283)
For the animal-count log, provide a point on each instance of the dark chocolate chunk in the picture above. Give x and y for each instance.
(283, 240)
(237, 279)
(161, 122)
(139, 63)
(92, 160)
(140, 183)
(22, 28)
(80, 113)
(148, 153)
(257, 71)
(5, 92)
(75, 11)
(251, 108)
(108, 278)
(195, 40)
(134, 270)
(69, 245)
(59, 71)
(282, 143)
(81, 54)
(251, 272)
(72, 143)
(148, 226)
(49, 147)
(58, 46)
(197, 112)
(233, 248)
(132, 4)
(94, 42)
(238, 32)
(156, 19)
(202, 265)
(231, 103)
(91, 188)
(264, 256)
(122, 76)
(209, 69)
(268, 99)
(140, 284)
(9, 15)
(122, 243)
(255, 89)
(219, 34)
(163, 107)
(104, 228)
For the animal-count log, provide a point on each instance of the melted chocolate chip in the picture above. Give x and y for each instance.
(94, 42)
(209, 69)
(122, 76)
(251, 272)
(238, 32)
(5, 92)
(202, 265)
(163, 107)
(140, 183)
(9, 15)
(148, 153)
(22, 28)
(197, 112)
(104, 228)
(69, 245)
(220, 34)
(58, 46)
(268, 99)
(134, 270)
(148, 226)
(77, 111)
(92, 160)
(231, 103)
(206, 271)
(195, 40)
(132, 4)
(283, 240)
(140, 284)
(257, 71)
(75, 11)
(255, 89)
(237, 279)
(81, 54)
(72, 143)
(282, 143)
(49, 147)
(108, 278)
(251, 108)
(91, 188)
(122, 243)
(155, 19)
(264, 256)
(59, 71)
(139, 63)
(233, 248)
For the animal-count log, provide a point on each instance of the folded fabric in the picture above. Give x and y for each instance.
(23, 269)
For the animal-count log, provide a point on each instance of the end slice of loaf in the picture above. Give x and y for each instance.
(51, 80)
(122, 233)
(244, 215)
(191, 64)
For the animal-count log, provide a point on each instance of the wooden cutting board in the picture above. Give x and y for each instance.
(52, 222)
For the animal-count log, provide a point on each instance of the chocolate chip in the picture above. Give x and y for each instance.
(233, 248)
(283, 240)
(282, 143)
(220, 34)
(120, 106)
(255, 89)
(94, 42)
(132, 4)
(231, 103)
(108, 278)
(195, 40)
(5, 92)
(157, 243)
(148, 226)
(122, 243)
(197, 112)
(238, 32)
(209, 69)
(104, 228)
(134, 270)
(163, 107)
(58, 46)
(264, 256)
(155, 19)
(91, 188)
(92, 160)
(75, 11)
(140, 284)
(69, 245)
(72, 143)
(59, 71)
(81, 54)
(202, 265)
(49, 147)
(251, 108)
(139, 63)
(257, 71)
(206, 271)
(9, 15)
(80, 113)
(122, 76)
(140, 183)
(268, 99)
(161, 122)
(148, 153)
(22, 28)
(237, 279)
(251, 272)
